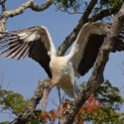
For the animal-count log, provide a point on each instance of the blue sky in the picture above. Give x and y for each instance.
(24, 75)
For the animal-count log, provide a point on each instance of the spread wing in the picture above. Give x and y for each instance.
(88, 43)
(90, 53)
(35, 42)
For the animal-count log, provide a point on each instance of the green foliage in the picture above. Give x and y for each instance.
(111, 101)
(80, 5)
(4, 122)
(12, 101)
(113, 3)
(38, 120)
(108, 98)
(107, 115)
(69, 4)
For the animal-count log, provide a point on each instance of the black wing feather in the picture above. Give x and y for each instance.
(90, 54)
(39, 54)
(13, 47)
(92, 49)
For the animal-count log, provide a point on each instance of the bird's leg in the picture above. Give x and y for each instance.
(75, 93)
(59, 94)
(47, 87)
(44, 99)
(46, 90)
(75, 89)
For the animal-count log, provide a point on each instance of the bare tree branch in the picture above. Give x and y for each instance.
(42, 7)
(11, 13)
(102, 14)
(70, 39)
(29, 4)
(97, 75)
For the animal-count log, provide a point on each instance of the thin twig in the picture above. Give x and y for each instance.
(75, 12)
(2, 3)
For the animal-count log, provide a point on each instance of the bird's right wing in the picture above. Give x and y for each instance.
(35, 42)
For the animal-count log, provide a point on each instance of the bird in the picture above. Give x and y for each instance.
(36, 43)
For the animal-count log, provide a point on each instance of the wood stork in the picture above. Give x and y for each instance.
(37, 43)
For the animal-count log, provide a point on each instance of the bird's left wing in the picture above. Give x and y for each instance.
(34, 42)
(88, 43)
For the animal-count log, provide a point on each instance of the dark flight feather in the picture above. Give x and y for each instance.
(13, 47)
(92, 49)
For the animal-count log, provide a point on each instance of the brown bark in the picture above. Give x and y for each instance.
(97, 75)
(102, 14)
